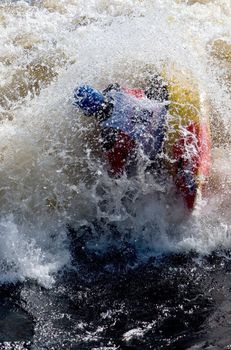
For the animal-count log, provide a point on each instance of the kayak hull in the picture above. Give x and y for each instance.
(188, 142)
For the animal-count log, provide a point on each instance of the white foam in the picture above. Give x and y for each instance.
(47, 176)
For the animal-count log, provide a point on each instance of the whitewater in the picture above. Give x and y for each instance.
(88, 261)
(51, 175)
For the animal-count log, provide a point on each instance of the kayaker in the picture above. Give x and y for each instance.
(129, 120)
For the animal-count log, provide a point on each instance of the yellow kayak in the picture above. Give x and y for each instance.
(187, 142)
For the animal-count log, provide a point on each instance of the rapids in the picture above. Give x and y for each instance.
(54, 189)
(50, 175)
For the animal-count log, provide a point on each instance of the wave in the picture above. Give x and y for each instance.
(51, 174)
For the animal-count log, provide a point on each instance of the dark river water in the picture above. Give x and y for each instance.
(112, 302)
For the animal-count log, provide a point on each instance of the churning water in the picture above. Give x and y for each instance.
(55, 195)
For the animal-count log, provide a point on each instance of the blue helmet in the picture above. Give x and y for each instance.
(88, 99)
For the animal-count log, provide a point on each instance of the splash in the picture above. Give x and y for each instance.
(51, 173)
